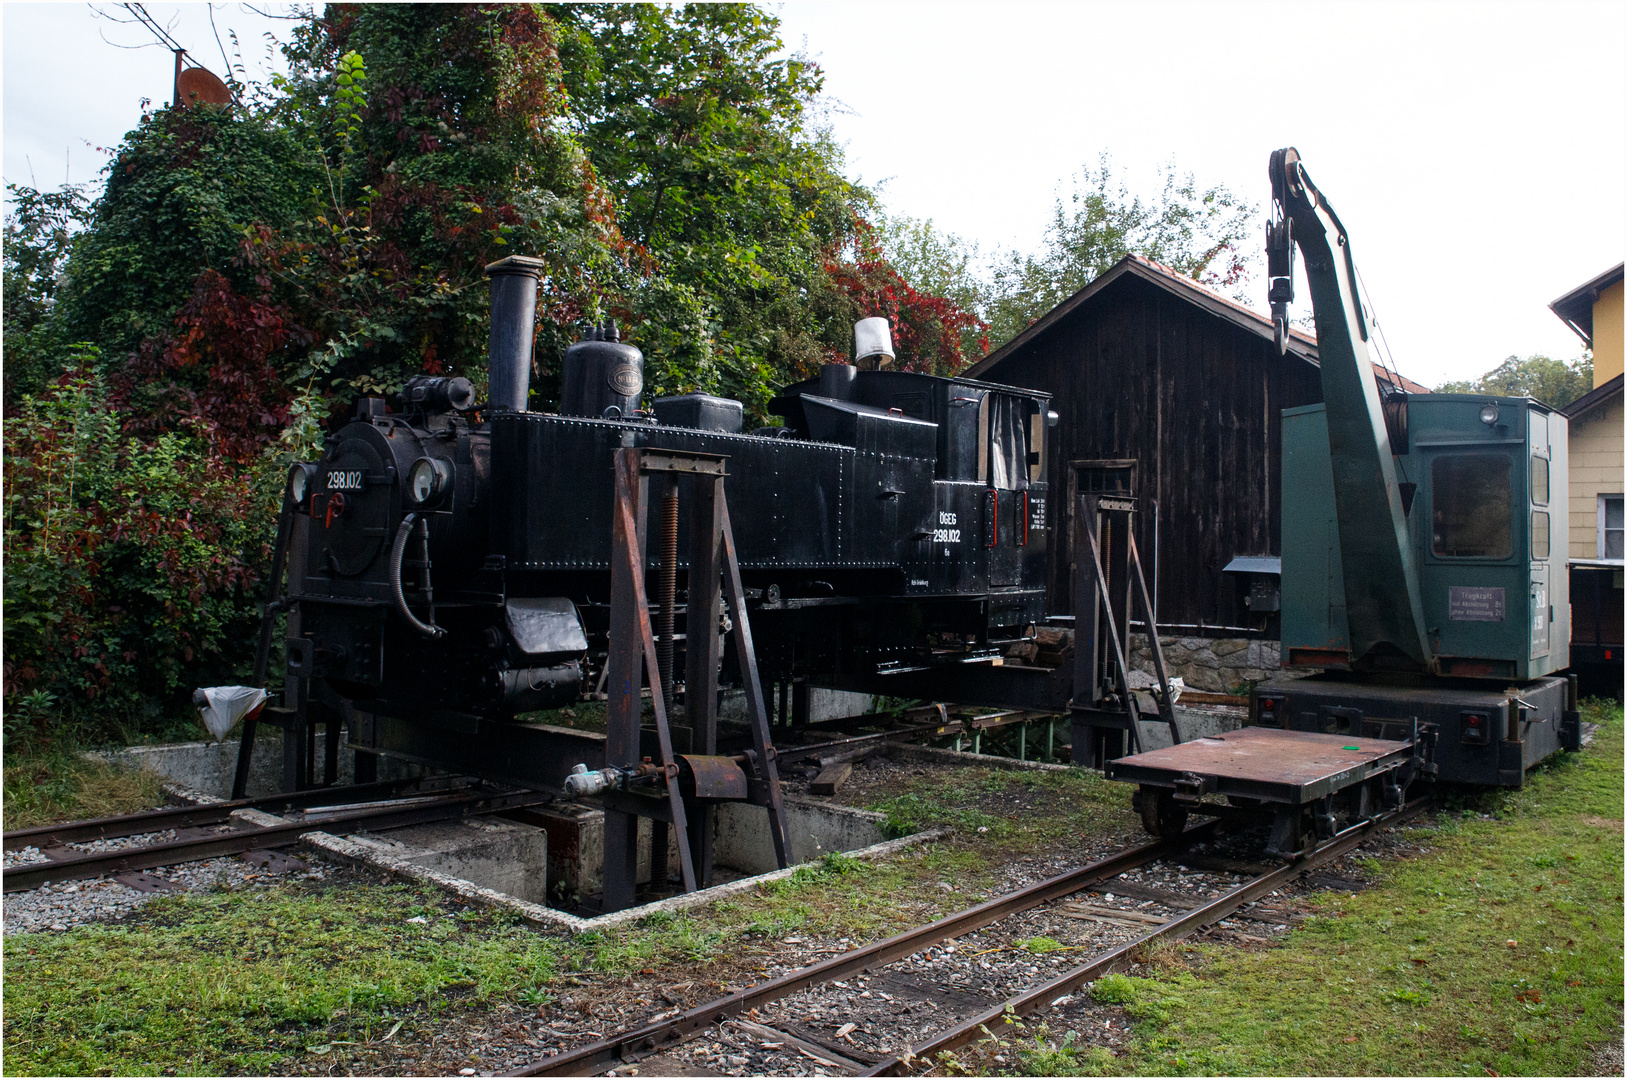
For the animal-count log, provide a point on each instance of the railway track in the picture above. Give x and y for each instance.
(655, 1038)
(203, 832)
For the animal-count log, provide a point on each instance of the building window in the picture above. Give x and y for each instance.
(1610, 527)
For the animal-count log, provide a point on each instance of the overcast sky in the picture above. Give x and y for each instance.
(1474, 151)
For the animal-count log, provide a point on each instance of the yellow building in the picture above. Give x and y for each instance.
(1594, 311)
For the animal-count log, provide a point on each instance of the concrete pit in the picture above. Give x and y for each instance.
(546, 863)
(541, 861)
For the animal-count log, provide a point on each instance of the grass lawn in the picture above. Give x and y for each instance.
(1497, 952)
(248, 981)
(60, 785)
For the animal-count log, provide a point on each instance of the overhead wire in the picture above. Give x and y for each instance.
(1386, 355)
(224, 59)
(165, 38)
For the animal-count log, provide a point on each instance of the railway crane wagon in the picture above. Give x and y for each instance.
(1419, 580)
(451, 562)
(1420, 532)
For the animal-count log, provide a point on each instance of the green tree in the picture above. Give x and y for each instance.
(938, 264)
(931, 333)
(1555, 383)
(1195, 230)
(700, 127)
(39, 231)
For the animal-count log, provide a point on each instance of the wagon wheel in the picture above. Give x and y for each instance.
(1160, 815)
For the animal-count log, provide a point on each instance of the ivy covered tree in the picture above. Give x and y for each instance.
(440, 130)
(180, 191)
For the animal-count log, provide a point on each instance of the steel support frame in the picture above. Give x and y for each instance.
(1107, 577)
(633, 659)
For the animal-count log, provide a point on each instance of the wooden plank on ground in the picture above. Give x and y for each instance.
(831, 778)
(1114, 916)
(770, 1038)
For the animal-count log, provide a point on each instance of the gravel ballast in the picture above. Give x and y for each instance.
(58, 907)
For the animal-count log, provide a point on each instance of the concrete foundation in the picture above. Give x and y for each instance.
(576, 849)
(823, 704)
(1194, 723)
(348, 849)
(741, 844)
(209, 767)
(813, 829)
(504, 856)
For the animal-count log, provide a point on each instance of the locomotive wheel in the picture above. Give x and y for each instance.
(1160, 815)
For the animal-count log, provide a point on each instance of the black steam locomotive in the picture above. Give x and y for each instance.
(452, 559)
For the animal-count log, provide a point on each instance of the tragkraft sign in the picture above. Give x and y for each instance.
(1473, 603)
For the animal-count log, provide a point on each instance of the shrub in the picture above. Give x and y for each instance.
(130, 564)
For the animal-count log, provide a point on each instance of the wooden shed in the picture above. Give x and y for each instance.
(1147, 365)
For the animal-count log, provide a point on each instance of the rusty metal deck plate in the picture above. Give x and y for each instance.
(1264, 763)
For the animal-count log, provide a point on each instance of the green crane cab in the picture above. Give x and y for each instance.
(1484, 487)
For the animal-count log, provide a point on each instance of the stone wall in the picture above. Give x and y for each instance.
(1213, 665)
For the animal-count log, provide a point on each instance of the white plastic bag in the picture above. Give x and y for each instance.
(223, 706)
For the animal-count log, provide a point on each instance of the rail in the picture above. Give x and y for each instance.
(598, 1057)
(1038, 999)
(182, 817)
(72, 867)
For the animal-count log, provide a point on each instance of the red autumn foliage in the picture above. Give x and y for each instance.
(218, 373)
(927, 330)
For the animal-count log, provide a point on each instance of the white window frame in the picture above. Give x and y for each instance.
(1602, 537)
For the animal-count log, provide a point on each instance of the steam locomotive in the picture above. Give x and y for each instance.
(452, 559)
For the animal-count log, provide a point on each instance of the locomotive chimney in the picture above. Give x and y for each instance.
(513, 322)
